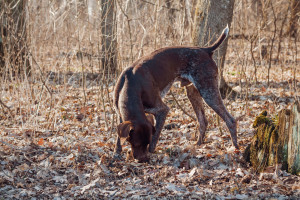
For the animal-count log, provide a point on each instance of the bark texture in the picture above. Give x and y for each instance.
(109, 41)
(13, 39)
(211, 17)
(294, 19)
(276, 141)
(2, 61)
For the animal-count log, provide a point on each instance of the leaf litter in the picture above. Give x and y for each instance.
(74, 159)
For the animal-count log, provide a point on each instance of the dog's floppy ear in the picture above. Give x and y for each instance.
(124, 130)
(153, 130)
(150, 118)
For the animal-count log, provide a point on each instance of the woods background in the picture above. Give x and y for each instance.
(59, 61)
(79, 43)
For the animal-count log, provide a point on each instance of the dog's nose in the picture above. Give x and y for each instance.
(143, 159)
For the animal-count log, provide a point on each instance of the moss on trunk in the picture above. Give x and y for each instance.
(276, 140)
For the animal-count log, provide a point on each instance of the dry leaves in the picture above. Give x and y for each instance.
(72, 158)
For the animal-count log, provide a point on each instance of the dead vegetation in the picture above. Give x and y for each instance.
(58, 123)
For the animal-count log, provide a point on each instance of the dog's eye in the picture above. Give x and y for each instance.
(131, 132)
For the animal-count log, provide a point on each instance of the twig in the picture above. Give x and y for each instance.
(281, 34)
(153, 4)
(103, 104)
(42, 79)
(241, 117)
(3, 104)
(219, 124)
(83, 78)
(27, 158)
(181, 108)
(111, 196)
(129, 30)
(272, 42)
(253, 40)
(112, 124)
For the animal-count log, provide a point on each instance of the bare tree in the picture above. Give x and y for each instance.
(2, 60)
(211, 17)
(295, 12)
(171, 15)
(13, 43)
(108, 28)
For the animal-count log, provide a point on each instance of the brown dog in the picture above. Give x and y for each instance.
(141, 87)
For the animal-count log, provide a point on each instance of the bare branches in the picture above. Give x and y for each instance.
(5, 106)
(272, 41)
(67, 49)
(181, 108)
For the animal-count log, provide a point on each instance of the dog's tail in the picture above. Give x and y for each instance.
(219, 41)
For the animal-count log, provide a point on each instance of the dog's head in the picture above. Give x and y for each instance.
(139, 135)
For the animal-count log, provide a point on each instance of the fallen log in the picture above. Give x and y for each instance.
(276, 141)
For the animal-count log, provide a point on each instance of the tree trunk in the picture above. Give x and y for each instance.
(295, 12)
(171, 16)
(109, 41)
(2, 61)
(211, 17)
(276, 141)
(13, 46)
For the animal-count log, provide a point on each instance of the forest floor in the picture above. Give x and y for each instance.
(74, 159)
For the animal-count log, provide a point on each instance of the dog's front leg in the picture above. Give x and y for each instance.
(160, 112)
(197, 104)
(118, 147)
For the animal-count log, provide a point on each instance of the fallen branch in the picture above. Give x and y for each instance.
(181, 108)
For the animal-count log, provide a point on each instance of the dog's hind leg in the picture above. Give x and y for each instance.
(197, 104)
(213, 99)
(160, 112)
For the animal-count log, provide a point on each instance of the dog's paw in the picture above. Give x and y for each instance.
(151, 149)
